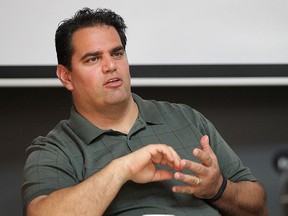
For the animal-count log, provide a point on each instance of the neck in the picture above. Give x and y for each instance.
(119, 117)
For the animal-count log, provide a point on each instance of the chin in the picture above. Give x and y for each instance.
(117, 98)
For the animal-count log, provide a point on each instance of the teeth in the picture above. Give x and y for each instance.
(112, 80)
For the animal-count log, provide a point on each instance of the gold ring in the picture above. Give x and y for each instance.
(198, 181)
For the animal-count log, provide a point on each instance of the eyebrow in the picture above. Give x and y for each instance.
(118, 48)
(98, 53)
(90, 54)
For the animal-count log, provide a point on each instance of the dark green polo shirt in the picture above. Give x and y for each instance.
(75, 149)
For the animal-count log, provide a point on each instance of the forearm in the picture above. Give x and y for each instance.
(243, 198)
(94, 195)
(91, 197)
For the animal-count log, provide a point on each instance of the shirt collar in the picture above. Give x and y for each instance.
(148, 112)
(82, 127)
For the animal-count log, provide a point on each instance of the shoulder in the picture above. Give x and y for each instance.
(57, 140)
(175, 112)
(162, 105)
(55, 135)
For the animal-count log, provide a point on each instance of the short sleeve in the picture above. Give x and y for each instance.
(47, 169)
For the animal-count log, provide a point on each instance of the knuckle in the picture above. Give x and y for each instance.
(198, 169)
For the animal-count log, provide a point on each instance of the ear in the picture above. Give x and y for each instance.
(64, 75)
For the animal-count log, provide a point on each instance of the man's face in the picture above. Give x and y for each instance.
(100, 70)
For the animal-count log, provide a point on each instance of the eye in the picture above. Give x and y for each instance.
(92, 60)
(118, 54)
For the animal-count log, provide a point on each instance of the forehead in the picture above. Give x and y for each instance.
(95, 38)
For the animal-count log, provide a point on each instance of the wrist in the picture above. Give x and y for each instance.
(121, 169)
(219, 193)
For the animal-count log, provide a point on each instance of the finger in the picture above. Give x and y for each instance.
(188, 179)
(166, 155)
(205, 154)
(183, 189)
(197, 168)
(176, 163)
(176, 160)
(161, 175)
(204, 142)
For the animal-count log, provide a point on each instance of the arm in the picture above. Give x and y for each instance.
(242, 198)
(93, 196)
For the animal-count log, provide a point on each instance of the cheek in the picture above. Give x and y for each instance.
(87, 81)
(124, 67)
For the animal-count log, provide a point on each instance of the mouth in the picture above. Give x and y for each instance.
(113, 82)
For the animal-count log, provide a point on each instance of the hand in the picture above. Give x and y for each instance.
(141, 163)
(207, 179)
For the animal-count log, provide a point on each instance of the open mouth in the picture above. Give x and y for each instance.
(113, 80)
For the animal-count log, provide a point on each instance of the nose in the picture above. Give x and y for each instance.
(109, 64)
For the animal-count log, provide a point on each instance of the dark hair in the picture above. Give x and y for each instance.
(84, 18)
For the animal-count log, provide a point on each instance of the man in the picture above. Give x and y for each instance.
(121, 155)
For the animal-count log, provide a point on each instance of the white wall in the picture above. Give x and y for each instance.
(159, 31)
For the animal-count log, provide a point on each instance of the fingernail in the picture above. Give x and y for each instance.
(176, 175)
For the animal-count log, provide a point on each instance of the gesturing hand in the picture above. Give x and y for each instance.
(207, 179)
(141, 163)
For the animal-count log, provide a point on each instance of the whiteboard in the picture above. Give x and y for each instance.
(159, 31)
